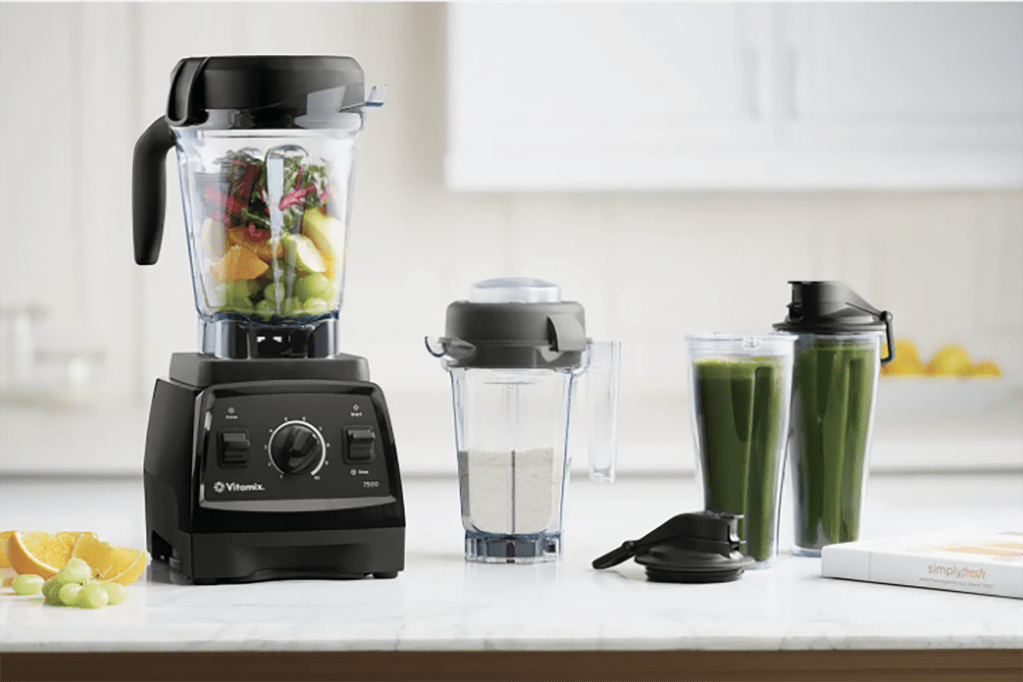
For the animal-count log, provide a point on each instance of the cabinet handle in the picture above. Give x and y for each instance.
(795, 82)
(754, 87)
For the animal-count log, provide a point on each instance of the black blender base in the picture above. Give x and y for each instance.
(242, 558)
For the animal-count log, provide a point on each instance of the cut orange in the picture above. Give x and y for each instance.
(99, 555)
(239, 263)
(36, 552)
(4, 563)
(241, 237)
(126, 567)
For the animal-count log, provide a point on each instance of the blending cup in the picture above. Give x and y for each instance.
(741, 386)
(837, 361)
(514, 352)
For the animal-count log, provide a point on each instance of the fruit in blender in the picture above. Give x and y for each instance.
(239, 263)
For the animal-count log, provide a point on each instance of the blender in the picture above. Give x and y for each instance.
(514, 350)
(269, 453)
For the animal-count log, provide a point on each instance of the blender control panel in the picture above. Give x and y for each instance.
(292, 452)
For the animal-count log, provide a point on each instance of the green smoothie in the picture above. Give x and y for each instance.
(833, 393)
(738, 407)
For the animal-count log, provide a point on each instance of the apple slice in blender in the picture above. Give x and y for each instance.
(314, 286)
(212, 238)
(300, 252)
(326, 232)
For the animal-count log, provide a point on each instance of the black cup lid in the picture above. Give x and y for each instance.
(267, 86)
(515, 323)
(696, 547)
(831, 307)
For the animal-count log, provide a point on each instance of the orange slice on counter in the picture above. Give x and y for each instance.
(37, 552)
(126, 566)
(239, 263)
(4, 562)
(99, 555)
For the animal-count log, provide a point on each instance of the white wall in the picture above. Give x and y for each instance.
(649, 267)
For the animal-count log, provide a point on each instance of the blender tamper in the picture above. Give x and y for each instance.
(695, 547)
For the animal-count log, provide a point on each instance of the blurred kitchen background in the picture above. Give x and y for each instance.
(671, 166)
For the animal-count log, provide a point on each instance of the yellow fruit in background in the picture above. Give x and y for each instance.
(906, 361)
(948, 361)
(986, 368)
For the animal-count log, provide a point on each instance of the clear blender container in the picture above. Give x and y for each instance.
(267, 192)
(514, 352)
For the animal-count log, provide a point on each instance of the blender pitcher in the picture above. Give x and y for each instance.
(266, 150)
(514, 351)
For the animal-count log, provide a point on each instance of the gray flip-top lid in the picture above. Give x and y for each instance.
(515, 323)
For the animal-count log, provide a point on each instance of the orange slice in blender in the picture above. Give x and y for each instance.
(239, 263)
(240, 236)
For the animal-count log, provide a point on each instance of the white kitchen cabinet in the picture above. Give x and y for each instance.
(549, 96)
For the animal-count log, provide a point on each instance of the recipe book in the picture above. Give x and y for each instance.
(964, 561)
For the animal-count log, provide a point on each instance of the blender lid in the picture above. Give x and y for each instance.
(265, 87)
(696, 547)
(515, 323)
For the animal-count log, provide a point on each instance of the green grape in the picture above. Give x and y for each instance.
(266, 309)
(115, 592)
(292, 307)
(273, 292)
(314, 286)
(49, 586)
(236, 291)
(75, 571)
(316, 306)
(241, 305)
(27, 584)
(92, 597)
(70, 593)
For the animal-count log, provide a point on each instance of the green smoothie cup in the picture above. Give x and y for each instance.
(834, 386)
(740, 413)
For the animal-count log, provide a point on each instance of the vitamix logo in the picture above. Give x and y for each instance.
(232, 487)
(957, 572)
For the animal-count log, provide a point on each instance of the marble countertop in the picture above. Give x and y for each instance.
(441, 603)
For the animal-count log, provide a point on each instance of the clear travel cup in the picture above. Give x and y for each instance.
(739, 410)
(837, 361)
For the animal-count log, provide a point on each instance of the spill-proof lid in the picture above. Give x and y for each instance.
(515, 323)
(696, 547)
(832, 307)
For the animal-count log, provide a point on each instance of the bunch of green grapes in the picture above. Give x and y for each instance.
(72, 586)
